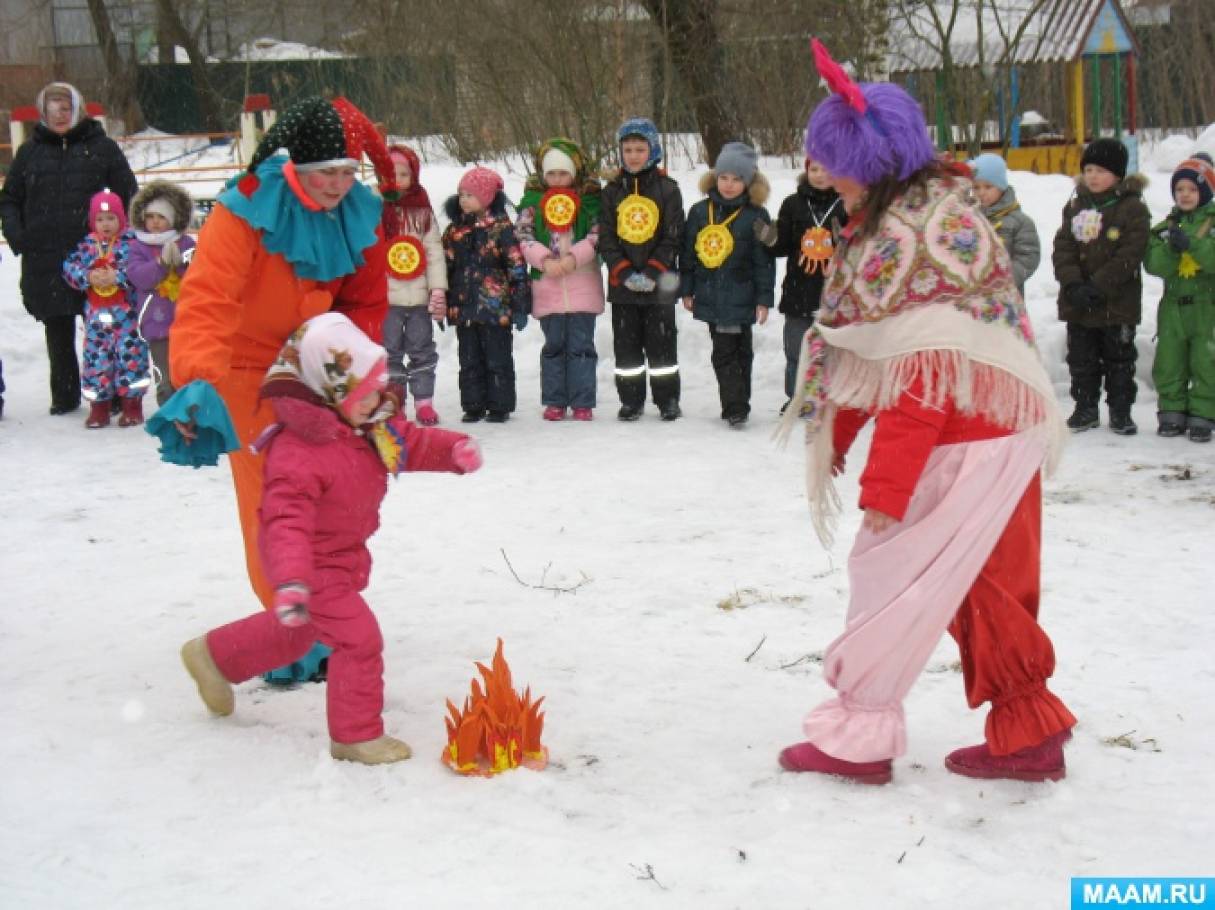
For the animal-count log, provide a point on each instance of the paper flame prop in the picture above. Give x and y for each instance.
(498, 729)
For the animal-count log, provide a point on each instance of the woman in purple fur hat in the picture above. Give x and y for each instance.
(922, 328)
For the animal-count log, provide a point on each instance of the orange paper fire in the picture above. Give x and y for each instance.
(498, 729)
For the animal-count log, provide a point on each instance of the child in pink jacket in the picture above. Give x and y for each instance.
(339, 433)
(558, 232)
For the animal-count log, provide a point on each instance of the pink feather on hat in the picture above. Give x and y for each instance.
(837, 78)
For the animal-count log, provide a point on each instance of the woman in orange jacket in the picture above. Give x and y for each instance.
(296, 236)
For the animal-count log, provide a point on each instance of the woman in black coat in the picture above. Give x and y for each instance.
(43, 210)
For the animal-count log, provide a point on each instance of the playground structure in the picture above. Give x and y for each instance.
(1087, 43)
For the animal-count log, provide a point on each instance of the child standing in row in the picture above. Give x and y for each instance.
(1098, 252)
(807, 231)
(160, 254)
(558, 232)
(640, 236)
(417, 285)
(339, 433)
(1014, 228)
(490, 291)
(728, 276)
(115, 356)
(1181, 250)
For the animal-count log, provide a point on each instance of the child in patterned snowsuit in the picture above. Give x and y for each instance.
(115, 354)
(339, 432)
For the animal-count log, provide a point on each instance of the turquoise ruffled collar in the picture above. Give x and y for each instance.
(319, 245)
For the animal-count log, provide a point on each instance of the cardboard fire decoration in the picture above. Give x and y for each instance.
(498, 729)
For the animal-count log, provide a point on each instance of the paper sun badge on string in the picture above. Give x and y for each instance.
(102, 294)
(714, 242)
(637, 218)
(1188, 267)
(817, 248)
(406, 258)
(498, 729)
(560, 209)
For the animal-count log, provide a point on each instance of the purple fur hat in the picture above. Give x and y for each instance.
(866, 131)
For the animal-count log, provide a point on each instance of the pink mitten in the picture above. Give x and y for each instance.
(291, 604)
(437, 307)
(466, 455)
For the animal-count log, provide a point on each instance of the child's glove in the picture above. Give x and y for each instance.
(291, 604)
(437, 305)
(1178, 239)
(765, 232)
(1084, 296)
(466, 455)
(170, 255)
(640, 283)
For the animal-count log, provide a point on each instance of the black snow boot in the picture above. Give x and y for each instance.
(1200, 429)
(1085, 417)
(1170, 423)
(1121, 422)
(629, 412)
(669, 410)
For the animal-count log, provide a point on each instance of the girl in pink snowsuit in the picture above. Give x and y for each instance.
(922, 327)
(339, 433)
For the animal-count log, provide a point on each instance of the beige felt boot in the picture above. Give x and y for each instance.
(215, 691)
(379, 751)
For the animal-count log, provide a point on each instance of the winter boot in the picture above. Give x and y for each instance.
(99, 415)
(1085, 417)
(1170, 423)
(1200, 429)
(737, 421)
(475, 415)
(630, 412)
(808, 757)
(1033, 763)
(1121, 422)
(583, 414)
(381, 751)
(497, 417)
(132, 412)
(426, 413)
(669, 411)
(552, 412)
(215, 691)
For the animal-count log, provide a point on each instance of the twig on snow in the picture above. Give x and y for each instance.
(646, 874)
(556, 589)
(747, 659)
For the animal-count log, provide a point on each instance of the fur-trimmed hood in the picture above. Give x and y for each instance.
(179, 199)
(757, 193)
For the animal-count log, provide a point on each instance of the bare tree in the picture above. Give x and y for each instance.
(122, 97)
(169, 19)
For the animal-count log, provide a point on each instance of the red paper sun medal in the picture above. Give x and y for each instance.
(406, 258)
(560, 209)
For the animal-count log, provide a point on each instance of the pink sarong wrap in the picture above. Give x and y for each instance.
(907, 584)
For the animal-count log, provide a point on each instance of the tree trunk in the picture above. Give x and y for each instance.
(208, 103)
(121, 96)
(698, 55)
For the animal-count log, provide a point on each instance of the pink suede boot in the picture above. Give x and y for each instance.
(583, 414)
(808, 757)
(1033, 763)
(552, 412)
(425, 410)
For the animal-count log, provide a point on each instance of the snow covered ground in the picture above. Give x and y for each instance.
(665, 710)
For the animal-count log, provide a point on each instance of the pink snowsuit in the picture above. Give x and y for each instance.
(324, 483)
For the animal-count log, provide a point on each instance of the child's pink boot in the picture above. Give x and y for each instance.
(99, 415)
(552, 412)
(132, 412)
(582, 414)
(427, 415)
(808, 757)
(1033, 763)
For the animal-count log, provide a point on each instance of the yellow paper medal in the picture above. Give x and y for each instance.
(406, 258)
(560, 208)
(637, 218)
(714, 242)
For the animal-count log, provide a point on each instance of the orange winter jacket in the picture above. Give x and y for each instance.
(239, 303)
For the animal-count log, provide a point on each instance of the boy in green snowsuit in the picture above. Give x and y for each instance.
(1181, 250)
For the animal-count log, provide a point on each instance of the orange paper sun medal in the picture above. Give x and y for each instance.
(817, 248)
(406, 258)
(637, 218)
(560, 209)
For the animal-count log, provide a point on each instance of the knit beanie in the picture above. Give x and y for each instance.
(1107, 153)
(482, 183)
(317, 133)
(642, 128)
(991, 168)
(110, 202)
(866, 131)
(1200, 172)
(739, 159)
(161, 206)
(557, 160)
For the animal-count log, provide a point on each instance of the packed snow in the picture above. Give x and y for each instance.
(681, 660)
